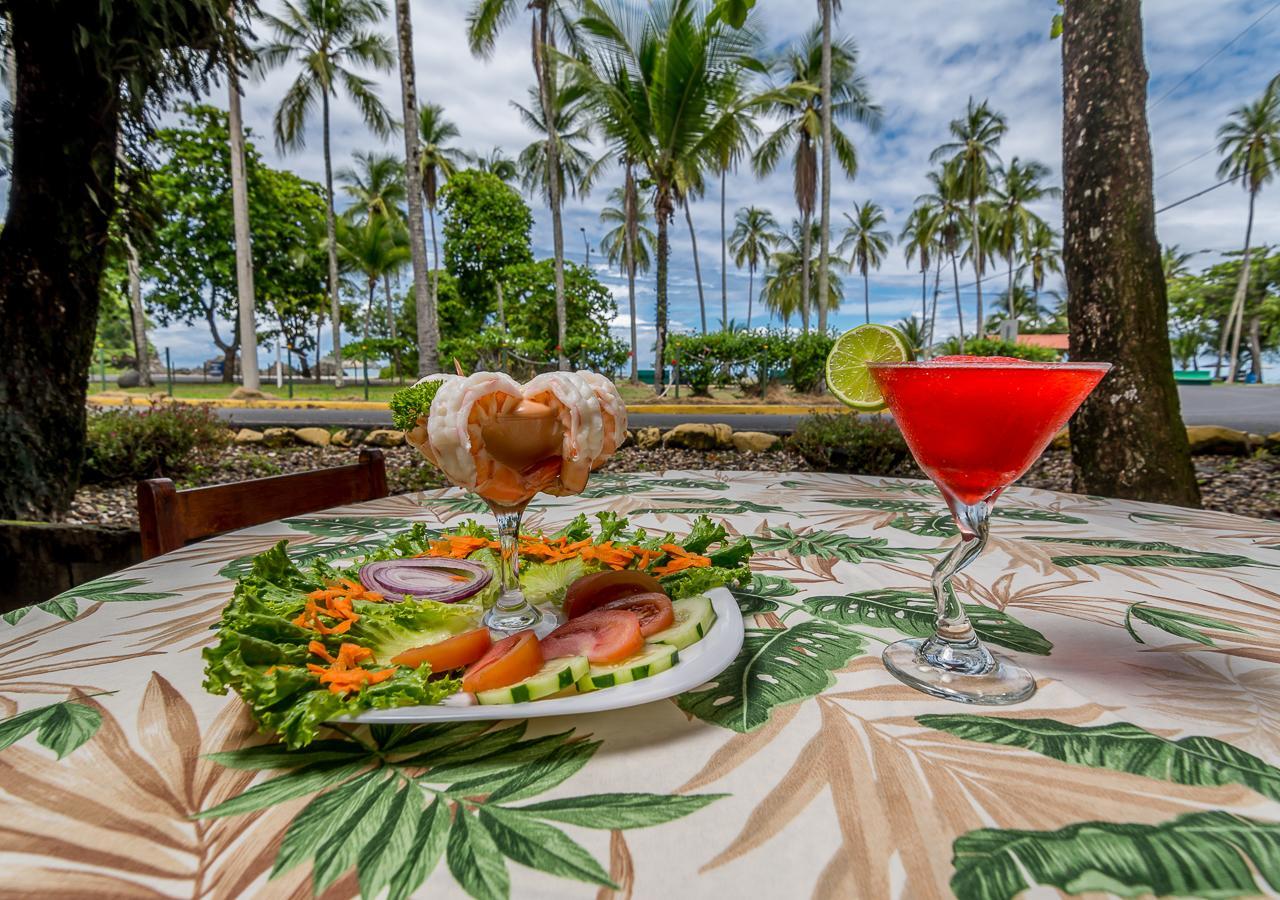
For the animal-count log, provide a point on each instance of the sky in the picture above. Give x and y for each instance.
(922, 60)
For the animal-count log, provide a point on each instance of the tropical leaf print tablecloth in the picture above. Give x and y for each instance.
(1147, 763)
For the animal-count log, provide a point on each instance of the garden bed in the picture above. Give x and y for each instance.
(1248, 486)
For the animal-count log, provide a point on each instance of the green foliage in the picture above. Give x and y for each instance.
(1198, 303)
(486, 229)
(809, 361)
(408, 404)
(62, 727)
(990, 347)
(840, 442)
(162, 441)
(529, 296)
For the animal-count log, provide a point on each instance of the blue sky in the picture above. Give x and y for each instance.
(922, 60)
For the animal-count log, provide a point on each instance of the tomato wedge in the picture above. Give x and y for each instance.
(603, 636)
(510, 660)
(591, 591)
(451, 653)
(654, 611)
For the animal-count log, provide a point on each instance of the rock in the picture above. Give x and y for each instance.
(1061, 440)
(755, 442)
(648, 438)
(1273, 442)
(278, 437)
(313, 436)
(248, 436)
(699, 436)
(129, 378)
(357, 435)
(1217, 441)
(340, 438)
(629, 440)
(385, 437)
(242, 393)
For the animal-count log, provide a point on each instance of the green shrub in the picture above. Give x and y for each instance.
(163, 441)
(989, 347)
(809, 361)
(842, 442)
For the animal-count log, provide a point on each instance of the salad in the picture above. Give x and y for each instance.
(401, 626)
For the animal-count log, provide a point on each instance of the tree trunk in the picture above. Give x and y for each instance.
(824, 235)
(924, 297)
(933, 315)
(1255, 349)
(546, 84)
(1128, 439)
(331, 232)
(61, 198)
(502, 306)
(137, 316)
(244, 245)
(630, 200)
(319, 369)
(424, 298)
(228, 350)
(751, 282)
(866, 294)
(978, 264)
(806, 245)
(955, 277)
(435, 257)
(697, 269)
(368, 323)
(724, 261)
(391, 327)
(1241, 299)
(662, 213)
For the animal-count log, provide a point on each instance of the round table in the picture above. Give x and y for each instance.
(1147, 762)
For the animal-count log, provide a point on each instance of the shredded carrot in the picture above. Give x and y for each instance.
(319, 650)
(681, 559)
(611, 556)
(343, 673)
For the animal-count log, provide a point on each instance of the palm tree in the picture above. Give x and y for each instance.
(240, 224)
(738, 113)
(1042, 257)
(919, 239)
(1249, 143)
(375, 248)
(576, 168)
(424, 299)
(495, 162)
(976, 135)
(783, 286)
(827, 10)
(551, 19)
(755, 234)
(657, 81)
(376, 184)
(946, 202)
(327, 38)
(438, 162)
(866, 241)
(913, 330)
(686, 200)
(627, 244)
(1016, 186)
(1174, 262)
(797, 101)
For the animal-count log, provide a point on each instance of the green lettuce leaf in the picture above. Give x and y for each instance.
(691, 582)
(389, 629)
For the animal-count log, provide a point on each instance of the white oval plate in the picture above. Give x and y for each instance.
(698, 664)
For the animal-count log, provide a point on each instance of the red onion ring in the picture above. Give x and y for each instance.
(425, 578)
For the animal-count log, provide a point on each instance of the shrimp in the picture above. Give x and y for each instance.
(507, 442)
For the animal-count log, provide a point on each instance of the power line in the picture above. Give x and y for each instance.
(1219, 52)
(1185, 164)
(1194, 196)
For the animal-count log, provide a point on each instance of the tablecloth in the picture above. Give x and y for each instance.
(1148, 762)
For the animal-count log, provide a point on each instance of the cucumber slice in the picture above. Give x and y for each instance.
(654, 658)
(553, 677)
(694, 618)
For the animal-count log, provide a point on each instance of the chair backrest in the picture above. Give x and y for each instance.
(170, 518)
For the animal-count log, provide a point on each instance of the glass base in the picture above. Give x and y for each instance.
(965, 672)
(521, 618)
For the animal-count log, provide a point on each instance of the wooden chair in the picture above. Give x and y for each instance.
(171, 518)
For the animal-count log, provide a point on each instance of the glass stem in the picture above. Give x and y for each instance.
(952, 624)
(509, 557)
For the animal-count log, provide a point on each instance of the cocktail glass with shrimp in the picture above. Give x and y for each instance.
(506, 443)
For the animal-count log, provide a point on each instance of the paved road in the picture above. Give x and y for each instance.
(1254, 409)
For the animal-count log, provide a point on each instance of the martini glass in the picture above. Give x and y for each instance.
(527, 439)
(974, 425)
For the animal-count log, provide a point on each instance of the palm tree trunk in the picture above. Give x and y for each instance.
(955, 276)
(435, 256)
(724, 261)
(391, 329)
(424, 298)
(662, 214)
(1009, 305)
(137, 317)
(866, 294)
(319, 327)
(697, 268)
(546, 84)
(368, 323)
(244, 247)
(751, 282)
(933, 316)
(1255, 349)
(1235, 319)
(806, 245)
(824, 235)
(977, 261)
(629, 203)
(924, 298)
(331, 231)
